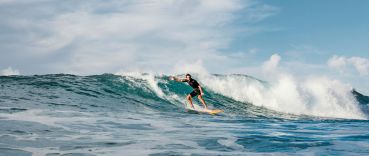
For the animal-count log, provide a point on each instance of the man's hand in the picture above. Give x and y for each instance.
(201, 92)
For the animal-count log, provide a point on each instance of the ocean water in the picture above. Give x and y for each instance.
(144, 114)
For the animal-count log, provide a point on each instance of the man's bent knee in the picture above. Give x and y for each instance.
(188, 97)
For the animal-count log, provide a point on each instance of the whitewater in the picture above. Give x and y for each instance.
(145, 114)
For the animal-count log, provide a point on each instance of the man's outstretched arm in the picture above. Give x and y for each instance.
(177, 79)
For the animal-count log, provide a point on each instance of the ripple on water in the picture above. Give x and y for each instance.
(91, 145)
(70, 154)
(213, 144)
(264, 143)
(12, 110)
(10, 151)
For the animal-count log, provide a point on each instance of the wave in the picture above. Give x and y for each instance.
(317, 96)
(236, 94)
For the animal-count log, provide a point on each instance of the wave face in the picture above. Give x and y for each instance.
(143, 114)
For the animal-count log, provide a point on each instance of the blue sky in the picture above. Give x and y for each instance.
(319, 27)
(311, 37)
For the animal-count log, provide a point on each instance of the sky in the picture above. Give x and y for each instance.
(304, 37)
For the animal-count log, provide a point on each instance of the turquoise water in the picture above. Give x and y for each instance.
(144, 114)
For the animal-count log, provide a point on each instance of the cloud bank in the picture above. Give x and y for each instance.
(341, 63)
(88, 37)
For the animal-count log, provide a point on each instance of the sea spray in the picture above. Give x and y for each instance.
(317, 96)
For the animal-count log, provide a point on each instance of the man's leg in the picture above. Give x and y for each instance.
(202, 101)
(189, 99)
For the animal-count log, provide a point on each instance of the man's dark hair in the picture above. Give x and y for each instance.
(188, 75)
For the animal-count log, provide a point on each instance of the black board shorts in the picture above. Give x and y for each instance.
(195, 92)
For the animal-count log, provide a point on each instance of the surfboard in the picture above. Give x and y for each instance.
(209, 111)
(215, 111)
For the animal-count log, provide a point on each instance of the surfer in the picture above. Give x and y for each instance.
(197, 90)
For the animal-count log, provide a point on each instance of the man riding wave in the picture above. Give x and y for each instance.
(197, 89)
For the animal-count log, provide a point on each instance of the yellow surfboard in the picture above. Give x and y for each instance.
(215, 111)
(209, 111)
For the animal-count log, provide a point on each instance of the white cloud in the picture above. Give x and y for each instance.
(272, 64)
(254, 13)
(337, 62)
(94, 37)
(360, 64)
(341, 63)
(196, 67)
(9, 71)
